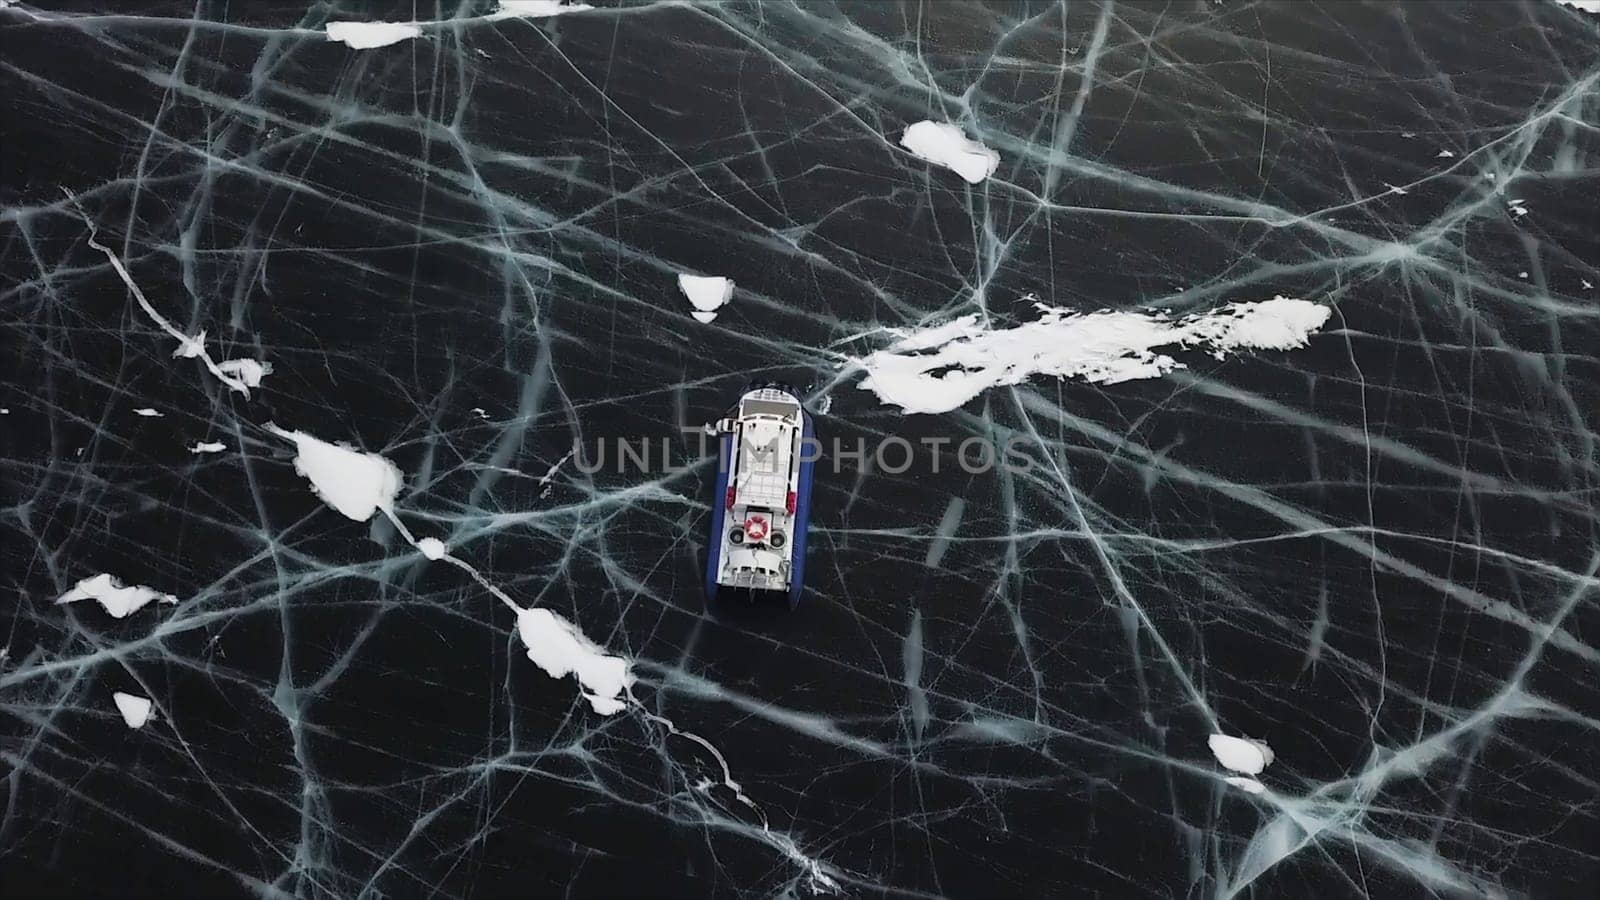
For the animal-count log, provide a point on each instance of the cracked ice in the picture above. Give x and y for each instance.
(305, 322)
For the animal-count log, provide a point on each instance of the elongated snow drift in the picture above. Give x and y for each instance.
(938, 369)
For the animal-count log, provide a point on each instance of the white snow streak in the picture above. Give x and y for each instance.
(208, 447)
(187, 346)
(370, 35)
(1248, 785)
(938, 369)
(536, 9)
(367, 35)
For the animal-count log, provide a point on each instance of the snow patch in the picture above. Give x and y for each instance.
(134, 708)
(706, 293)
(1240, 754)
(536, 9)
(115, 598)
(356, 484)
(208, 447)
(248, 371)
(1248, 785)
(560, 649)
(1591, 6)
(940, 368)
(432, 548)
(367, 35)
(148, 413)
(1445, 154)
(944, 145)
